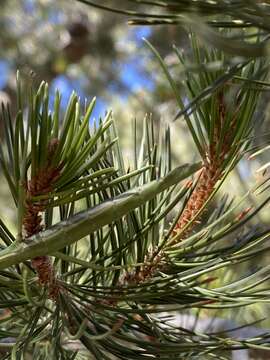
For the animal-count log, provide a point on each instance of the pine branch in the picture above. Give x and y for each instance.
(111, 289)
(75, 228)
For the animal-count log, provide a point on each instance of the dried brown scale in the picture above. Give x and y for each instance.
(46, 274)
(32, 220)
(211, 172)
(200, 195)
(144, 273)
(41, 184)
(135, 277)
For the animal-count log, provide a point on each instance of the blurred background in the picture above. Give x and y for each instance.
(75, 47)
(95, 53)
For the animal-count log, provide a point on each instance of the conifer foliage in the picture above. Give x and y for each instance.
(96, 269)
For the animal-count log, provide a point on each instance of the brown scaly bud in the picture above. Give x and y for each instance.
(211, 173)
(145, 272)
(46, 275)
(41, 183)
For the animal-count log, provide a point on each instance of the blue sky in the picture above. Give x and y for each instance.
(66, 86)
(5, 69)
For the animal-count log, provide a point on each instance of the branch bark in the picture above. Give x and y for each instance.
(75, 228)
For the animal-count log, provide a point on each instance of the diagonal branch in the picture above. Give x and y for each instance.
(75, 228)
